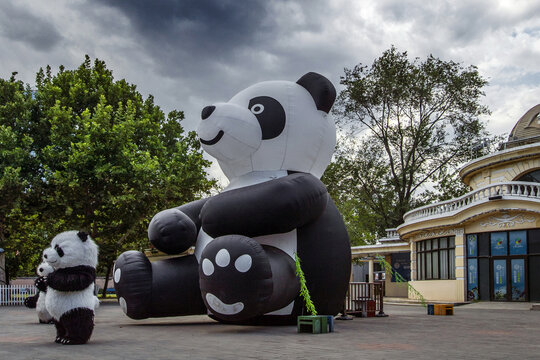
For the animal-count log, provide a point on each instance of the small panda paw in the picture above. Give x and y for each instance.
(58, 339)
(237, 268)
(41, 283)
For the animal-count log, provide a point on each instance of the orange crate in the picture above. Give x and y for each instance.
(443, 309)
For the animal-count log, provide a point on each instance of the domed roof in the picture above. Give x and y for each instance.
(527, 129)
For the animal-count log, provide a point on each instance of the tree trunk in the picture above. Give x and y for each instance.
(107, 274)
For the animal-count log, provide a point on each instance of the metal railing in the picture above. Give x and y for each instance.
(514, 189)
(15, 294)
(365, 299)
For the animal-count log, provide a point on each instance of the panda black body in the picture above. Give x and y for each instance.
(70, 296)
(273, 140)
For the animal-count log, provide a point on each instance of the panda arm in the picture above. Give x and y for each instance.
(275, 206)
(31, 301)
(72, 279)
(173, 231)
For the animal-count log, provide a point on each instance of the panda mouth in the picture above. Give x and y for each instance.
(219, 306)
(214, 140)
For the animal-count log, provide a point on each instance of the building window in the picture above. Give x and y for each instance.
(533, 176)
(435, 259)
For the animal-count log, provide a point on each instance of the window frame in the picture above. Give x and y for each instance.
(435, 251)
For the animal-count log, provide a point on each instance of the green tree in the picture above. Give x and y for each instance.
(21, 226)
(413, 123)
(109, 159)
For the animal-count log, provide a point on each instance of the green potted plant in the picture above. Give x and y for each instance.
(313, 323)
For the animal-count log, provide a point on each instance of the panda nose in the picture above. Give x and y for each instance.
(45, 256)
(207, 111)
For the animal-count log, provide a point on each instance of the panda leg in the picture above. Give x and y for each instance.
(240, 279)
(162, 288)
(60, 331)
(79, 324)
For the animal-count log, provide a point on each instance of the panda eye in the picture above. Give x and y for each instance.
(257, 109)
(59, 250)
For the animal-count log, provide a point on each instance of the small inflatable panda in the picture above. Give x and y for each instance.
(44, 269)
(273, 141)
(38, 300)
(70, 296)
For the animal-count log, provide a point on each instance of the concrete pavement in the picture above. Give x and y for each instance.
(476, 331)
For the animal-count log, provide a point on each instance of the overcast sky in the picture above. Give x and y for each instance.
(192, 53)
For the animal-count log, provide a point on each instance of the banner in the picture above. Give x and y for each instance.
(518, 242)
(498, 243)
(401, 264)
(472, 280)
(518, 279)
(472, 245)
(499, 279)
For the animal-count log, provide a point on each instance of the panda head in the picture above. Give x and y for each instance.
(273, 125)
(44, 269)
(71, 248)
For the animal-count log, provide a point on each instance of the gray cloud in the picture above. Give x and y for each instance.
(183, 35)
(191, 53)
(18, 24)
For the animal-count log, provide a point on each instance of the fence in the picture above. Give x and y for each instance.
(365, 299)
(15, 294)
(509, 190)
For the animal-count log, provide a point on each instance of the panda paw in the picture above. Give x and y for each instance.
(132, 276)
(235, 277)
(41, 283)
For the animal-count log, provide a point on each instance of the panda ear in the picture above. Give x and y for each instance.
(321, 90)
(82, 235)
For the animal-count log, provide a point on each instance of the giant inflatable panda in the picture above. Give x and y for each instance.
(273, 141)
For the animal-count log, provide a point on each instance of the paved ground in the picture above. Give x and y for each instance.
(476, 331)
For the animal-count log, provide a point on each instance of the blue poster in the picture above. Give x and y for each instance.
(472, 279)
(499, 279)
(498, 243)
(472, 247)
(518, 279)
(401, 264)
(518, 242)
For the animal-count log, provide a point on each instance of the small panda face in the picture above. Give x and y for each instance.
(44, 269)
(71, 248)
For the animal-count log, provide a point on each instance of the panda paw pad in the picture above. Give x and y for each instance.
(242, 263)
(41, 283)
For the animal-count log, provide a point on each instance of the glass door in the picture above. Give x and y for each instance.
(517, 281)
(509, 279)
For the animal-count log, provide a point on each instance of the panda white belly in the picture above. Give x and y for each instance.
(41, 307)
(60, 302)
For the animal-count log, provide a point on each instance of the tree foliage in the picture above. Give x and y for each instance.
(412, 123)
(104, 159)
(21, 226)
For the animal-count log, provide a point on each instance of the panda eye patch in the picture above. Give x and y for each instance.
(270, 114)
(59, 250)
(257, 109)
